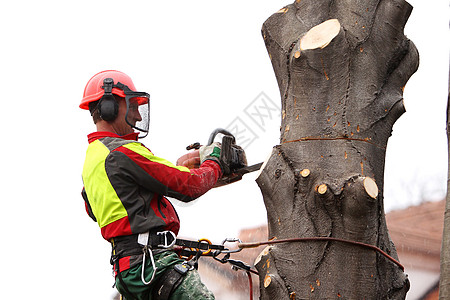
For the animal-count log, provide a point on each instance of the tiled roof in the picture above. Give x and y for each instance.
(417, 234)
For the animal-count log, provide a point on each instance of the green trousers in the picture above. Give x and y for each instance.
(190, 288)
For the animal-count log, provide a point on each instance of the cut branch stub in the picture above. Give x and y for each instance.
(322, 189)
(305, 173)
(321, 35)
(371, 187)
(267, 280)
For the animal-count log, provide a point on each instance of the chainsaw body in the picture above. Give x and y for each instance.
(232, 156)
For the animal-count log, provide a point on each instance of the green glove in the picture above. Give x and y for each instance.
(211, 152)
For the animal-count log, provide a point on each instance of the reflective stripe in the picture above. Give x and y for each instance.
(141, 150)
(105, 203)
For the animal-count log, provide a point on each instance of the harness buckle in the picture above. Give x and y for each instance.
(166, 244)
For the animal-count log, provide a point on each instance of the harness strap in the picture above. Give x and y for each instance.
(164, 239)
(198, 245)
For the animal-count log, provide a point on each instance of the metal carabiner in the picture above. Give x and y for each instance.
(231, 240)
(149, 251)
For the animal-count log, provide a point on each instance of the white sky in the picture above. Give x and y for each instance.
(203, 63)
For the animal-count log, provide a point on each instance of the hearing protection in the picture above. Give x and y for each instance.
(108, 107)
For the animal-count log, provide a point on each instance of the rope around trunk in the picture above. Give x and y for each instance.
(309, 239)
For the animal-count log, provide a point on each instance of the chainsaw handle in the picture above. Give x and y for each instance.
(222, 131)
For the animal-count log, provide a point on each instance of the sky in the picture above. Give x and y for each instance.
(205, 66)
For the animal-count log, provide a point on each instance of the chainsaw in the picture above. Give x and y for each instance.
(232, 157)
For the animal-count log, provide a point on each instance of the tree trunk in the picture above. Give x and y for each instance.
(341, 67)
(444, 284)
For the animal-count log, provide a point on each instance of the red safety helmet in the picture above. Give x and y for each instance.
(94, 88)
(101, 88)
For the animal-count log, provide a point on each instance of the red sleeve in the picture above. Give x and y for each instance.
(165, 178)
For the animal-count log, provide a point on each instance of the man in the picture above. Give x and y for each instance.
(125, 186)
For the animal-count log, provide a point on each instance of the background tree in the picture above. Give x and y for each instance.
(444, 284)
(341, 67)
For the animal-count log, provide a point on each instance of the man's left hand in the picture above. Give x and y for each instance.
(190, 160)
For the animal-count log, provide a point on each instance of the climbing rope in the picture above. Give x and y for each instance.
(309, 239)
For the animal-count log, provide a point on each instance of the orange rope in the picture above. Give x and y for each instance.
(375, 248)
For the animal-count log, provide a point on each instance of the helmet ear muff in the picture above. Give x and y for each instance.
(108, 108)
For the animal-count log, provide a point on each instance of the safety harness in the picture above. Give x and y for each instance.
(144, 246)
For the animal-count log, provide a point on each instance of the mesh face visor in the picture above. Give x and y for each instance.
(138, 111)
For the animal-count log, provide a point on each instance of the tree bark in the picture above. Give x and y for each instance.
(341, 67)
(444, 283)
